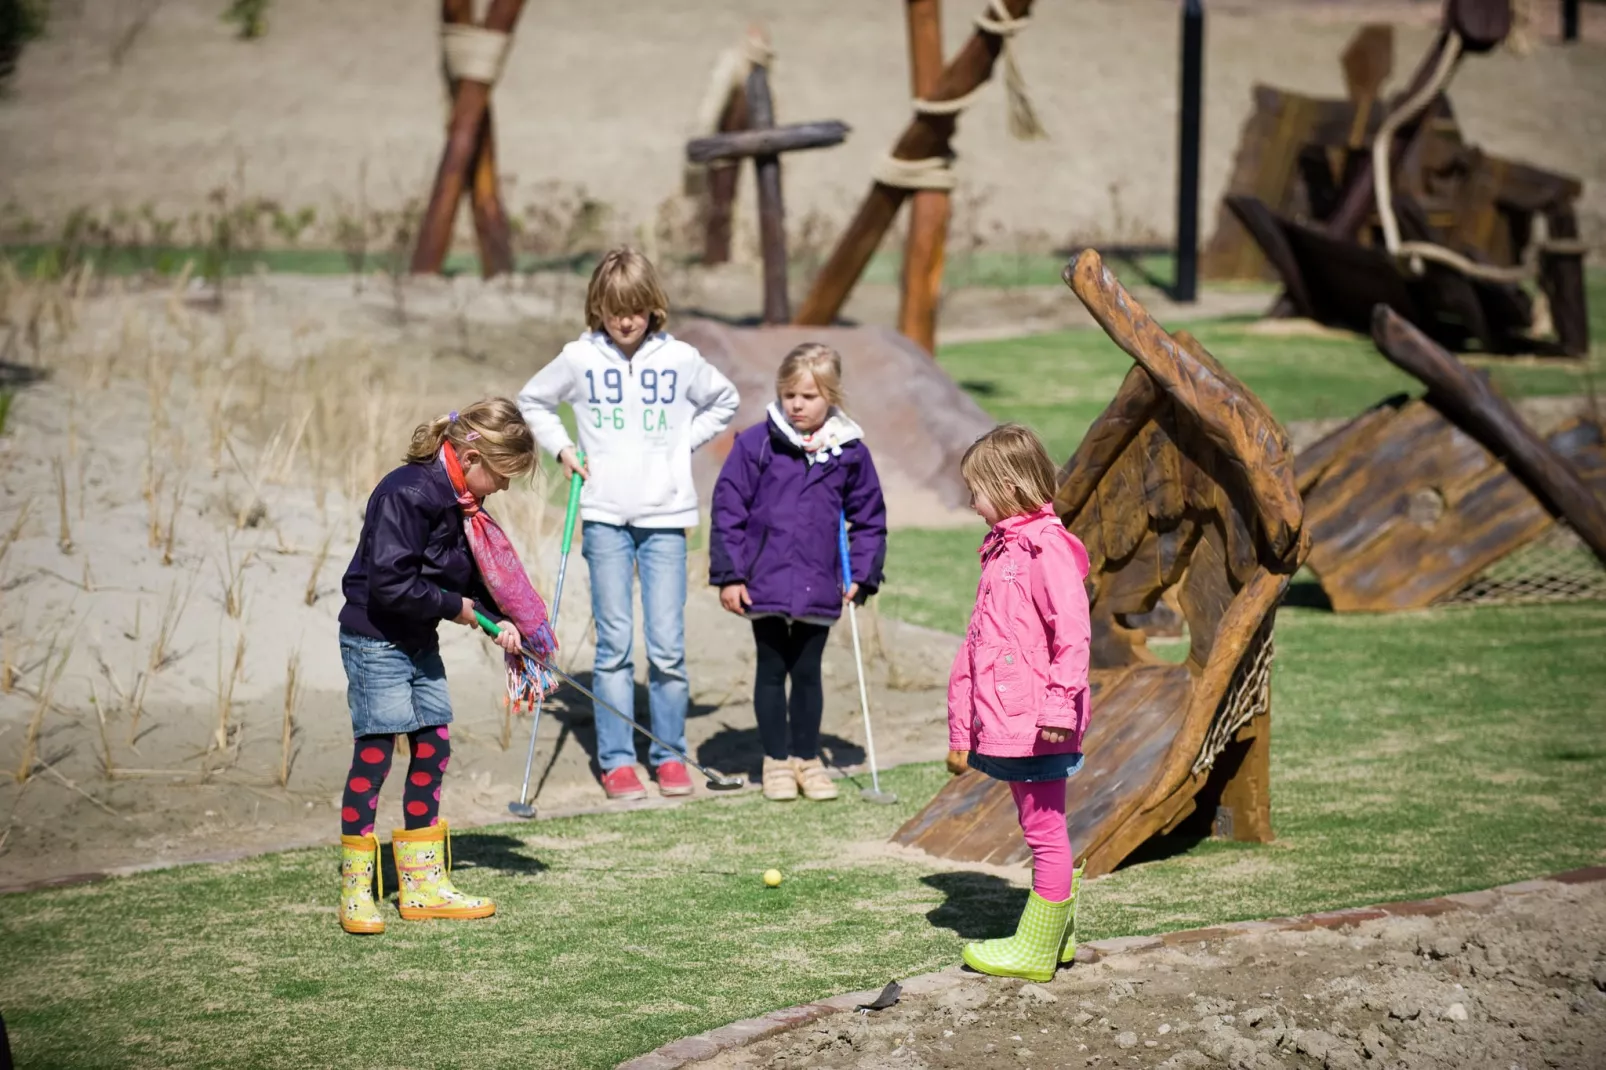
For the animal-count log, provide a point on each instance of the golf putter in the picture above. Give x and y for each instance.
(873, 793)
(523, 808)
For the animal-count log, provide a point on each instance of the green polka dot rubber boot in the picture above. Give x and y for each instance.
(1068, 951)
(359, 869)
(423, 862)
(1033, 952)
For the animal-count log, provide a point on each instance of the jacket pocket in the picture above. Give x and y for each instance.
(1007, 680)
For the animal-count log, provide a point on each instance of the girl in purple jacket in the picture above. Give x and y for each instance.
(774, 553)
(1018, 693)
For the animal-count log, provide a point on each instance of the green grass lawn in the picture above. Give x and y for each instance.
(1413, 754)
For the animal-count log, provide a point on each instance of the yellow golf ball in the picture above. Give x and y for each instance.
(772, 878)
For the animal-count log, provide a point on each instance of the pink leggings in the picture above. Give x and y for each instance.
(1041, 806)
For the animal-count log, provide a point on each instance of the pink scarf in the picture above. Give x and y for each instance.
(504, 576)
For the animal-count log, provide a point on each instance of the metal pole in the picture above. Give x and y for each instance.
(1569, 20)
(1187, 257)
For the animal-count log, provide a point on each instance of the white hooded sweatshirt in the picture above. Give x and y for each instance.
(639, 418)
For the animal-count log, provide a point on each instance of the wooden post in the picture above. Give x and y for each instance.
(468, 143)
(925, 251)
(925, 136)
(1243, 812)
(1561, 276)
(1569, 20)
(771, 212)
(1474, 407)
(722, 180)
(1192, 93)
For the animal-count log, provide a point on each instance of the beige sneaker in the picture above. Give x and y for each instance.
(813, 779)
(780, 782)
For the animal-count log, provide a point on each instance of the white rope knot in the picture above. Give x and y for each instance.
(1023, 122)
(933, 172)
(729, 75)
(473, 52)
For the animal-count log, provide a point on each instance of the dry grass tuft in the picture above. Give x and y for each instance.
(292, 695)
(311, 597)
(30, 739)
(64, 537)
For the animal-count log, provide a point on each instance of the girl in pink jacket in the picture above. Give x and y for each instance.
(1017, 696)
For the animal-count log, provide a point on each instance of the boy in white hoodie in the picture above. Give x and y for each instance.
(643, 402)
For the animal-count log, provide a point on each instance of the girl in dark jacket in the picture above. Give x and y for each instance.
(414, 568)
(774, 553)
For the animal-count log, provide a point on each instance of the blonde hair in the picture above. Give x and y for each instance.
(625, 282)
(815, 359)
(493, 427)
(1011, 467)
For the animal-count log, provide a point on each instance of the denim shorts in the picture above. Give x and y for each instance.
(1028, 770)
(390, 691)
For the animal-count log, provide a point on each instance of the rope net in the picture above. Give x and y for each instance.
(1555, 567)
(1248, 696)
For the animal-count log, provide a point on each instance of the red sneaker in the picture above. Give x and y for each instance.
(623, 783)
(673, 779)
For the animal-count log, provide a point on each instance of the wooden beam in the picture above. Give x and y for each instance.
(925, 136)
(722, 187)
(925, 250)
(1473, 406)
(1561, 276)
(1262, 224)
(772, 141)
(771, 211)
(463, 146)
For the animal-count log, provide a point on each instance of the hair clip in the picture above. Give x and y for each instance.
(451, 417)
(471, 436)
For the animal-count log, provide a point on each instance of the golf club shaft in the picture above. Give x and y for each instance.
(631, 721)
(864, 698)
(535, 720)
(573, 510)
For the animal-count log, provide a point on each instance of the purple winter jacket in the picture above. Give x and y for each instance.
(775, 522)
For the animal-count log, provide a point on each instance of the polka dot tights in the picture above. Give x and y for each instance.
(370, 763)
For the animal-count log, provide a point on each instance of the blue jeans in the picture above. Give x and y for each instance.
(614, 555)
(390, 691)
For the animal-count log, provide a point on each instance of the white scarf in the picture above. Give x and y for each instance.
(820, 445)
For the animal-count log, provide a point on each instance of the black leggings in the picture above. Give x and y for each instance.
(370, 765)
(789, 648)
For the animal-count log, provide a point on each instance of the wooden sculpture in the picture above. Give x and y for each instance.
(1454, 233)
(1186, 481)
(763, 142)
(474, 55)
(919, 162)
(1413, 501)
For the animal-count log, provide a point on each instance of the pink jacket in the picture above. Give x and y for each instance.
(1023, 664)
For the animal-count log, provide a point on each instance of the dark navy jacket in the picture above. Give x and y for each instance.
(775, 520)
(412, 545)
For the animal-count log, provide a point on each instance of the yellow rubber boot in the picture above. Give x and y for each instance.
(423, 862)
(359, 871)
(1033, 952)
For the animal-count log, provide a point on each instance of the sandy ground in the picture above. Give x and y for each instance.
(1522, 986)
(264, 424)
(342, 104)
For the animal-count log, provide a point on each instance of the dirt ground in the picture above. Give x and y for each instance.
(134, 101)
(1522, 986)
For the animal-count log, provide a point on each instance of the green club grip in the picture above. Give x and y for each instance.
(491, 627)
(575, 482)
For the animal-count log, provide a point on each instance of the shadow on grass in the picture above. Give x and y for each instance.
(979, 906)
(738, 750)
(472, 850)
(1305, 593)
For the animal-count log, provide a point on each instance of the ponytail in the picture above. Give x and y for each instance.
(493, 427)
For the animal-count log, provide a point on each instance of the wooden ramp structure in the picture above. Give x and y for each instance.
(1186, 481)
(1451, 498)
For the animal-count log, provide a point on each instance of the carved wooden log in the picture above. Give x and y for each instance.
(1234, 425)
(1474, 406)
(924, 137)
(740, 144)
(463, 144)
(722, 182)
(1262, 225)
(1132, 407)
(771, 212)
(925, 249)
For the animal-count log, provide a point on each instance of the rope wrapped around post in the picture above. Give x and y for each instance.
(474, 52)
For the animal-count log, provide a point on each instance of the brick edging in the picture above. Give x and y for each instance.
(693, 1049)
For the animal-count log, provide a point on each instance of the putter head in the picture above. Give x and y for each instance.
(724, 782)
(521, 809)
(883, 798)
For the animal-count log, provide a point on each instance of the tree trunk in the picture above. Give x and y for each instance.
(925, 251)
